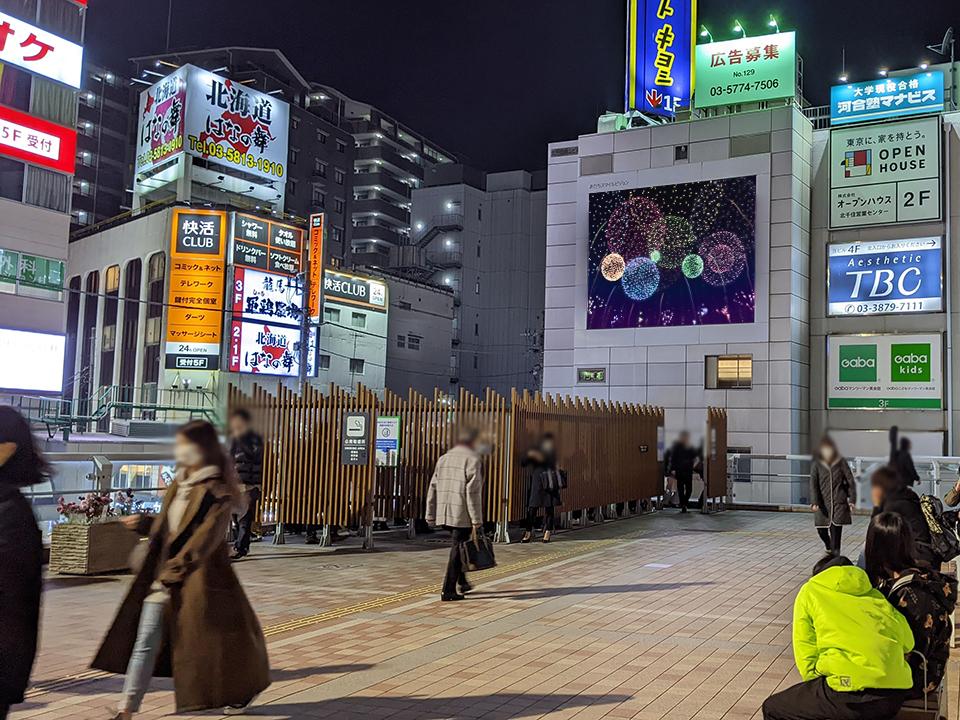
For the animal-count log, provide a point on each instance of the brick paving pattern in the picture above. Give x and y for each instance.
(659, 616)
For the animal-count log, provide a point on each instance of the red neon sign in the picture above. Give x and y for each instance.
(37, 141)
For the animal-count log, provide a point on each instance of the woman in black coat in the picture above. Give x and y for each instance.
(544, 487)
(833, 494)
(21, 557)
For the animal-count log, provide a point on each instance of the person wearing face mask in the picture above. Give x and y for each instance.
(545, 488)
(455, 501)
(833, 494)
(186, 615)
(21, 557)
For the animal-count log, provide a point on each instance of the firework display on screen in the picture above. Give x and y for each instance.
(673, 255)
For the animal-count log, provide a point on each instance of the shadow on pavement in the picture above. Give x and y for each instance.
(277, 675)
(535, 594)
(473, 707)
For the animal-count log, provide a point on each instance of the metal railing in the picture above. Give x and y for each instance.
(784, 480)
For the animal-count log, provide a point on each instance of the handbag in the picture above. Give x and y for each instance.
(477, 552)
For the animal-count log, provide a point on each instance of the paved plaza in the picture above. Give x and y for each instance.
(659, 616)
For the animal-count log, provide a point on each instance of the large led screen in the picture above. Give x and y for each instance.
(673, 255)
(31, 361)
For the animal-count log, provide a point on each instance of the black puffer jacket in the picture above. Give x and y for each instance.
(926, 599)
(21, 556)
(906, 503)
(247, 454)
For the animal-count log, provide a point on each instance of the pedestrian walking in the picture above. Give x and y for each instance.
(21, 557)
(246, 449)
(833, 494)
(683, 462)
(901, 460)
(186, 614)
(545, 487)
(455, 501)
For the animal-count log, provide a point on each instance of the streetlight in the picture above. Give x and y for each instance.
(704, 33)
(924, 65)
(843, 78)
(738, 27)
(773, 23)
(883, 72)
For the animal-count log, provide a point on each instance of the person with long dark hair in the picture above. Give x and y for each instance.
(186, 615)
(833, 493)
(890, 494)
(923, 596)
(544, 495)
(21, 557)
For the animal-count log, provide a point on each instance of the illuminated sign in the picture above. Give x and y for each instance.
(885, 174)
(39, 51)
(265, 349)
(266, 297)
(915, 94)
(37, 141)
(316, 263)
(211, 117)
(660, 39)
(31, 361)
(355, 290)
(195, 315)
(746, 70)
(887, 276)
(884, 372)
(266, 245)
(591, 375)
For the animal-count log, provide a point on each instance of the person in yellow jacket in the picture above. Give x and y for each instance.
(850, 646)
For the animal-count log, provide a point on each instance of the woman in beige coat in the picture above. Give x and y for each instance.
(186, 615)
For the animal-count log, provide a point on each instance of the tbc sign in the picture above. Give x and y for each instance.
(884, 371)
(40, 52)
(884, 174)
(888, 276)
(37, 141)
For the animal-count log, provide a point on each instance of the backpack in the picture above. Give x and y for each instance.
(944, 538)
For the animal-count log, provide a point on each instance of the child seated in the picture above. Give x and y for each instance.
(849, 645)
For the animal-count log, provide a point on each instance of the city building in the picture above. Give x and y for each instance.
(483, 236)
(391, 161)
(40, 74)
(105, 123)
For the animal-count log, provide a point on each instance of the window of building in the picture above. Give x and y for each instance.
(476, 329)
(319, 198)
(401, 341)
(156, 267)
(476, 362)
(339, 204)
(336, 234)
(322, 137)
(413, 342)
(319, 167)
(111, 282)
(11, 179)
(294, 155)
(292, 187)
(358, 320)
(728, 372)
(324, 362)
(356, 366)
(341, 146)
(331, 315)
(153, 331)
(109, 338)
(339, 176)
(294, 123)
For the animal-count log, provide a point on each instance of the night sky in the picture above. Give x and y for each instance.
(495, 80)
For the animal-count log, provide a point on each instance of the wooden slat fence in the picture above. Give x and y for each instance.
(609, 451)
(715, 453)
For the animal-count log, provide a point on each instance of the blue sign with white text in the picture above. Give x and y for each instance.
(884, 277)
(660, 40)
(915, 94)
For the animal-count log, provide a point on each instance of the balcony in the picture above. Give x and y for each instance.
(366, 233)
(445, 259)
(381, 208)
(388, 156)
(375, 180)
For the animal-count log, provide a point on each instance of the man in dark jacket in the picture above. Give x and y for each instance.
(891, 495)
(683, 460)
(901, 460)
(246, 448)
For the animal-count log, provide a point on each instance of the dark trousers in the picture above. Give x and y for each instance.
(831, 538)
(455, 573)
(549, 519)
(245, 522)
(815, 700)
(684, 488)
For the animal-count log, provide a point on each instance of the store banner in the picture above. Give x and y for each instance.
(355, 290)
(260, 348)
(37, 141)
(885, 174)
(39, 51)
(316, 264)
(161, 120)
(197, 272)
(261, 244)
(877, 372)
(885, 277)
(660, 38)
(266, 297)
(917, 94)
(746, 70)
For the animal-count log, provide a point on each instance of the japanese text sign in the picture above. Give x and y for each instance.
(39, 51)
(884, 372)
(355, 290)
(917, 94)
(355, 439)
(387, 440)
(37, 141)
(266, 297)
(886, 276)
(316, 263)
(746, 70)
(266, 245)
(264, 349)
(161, 123)
(195, 313)
(884, 174)
(660, 39)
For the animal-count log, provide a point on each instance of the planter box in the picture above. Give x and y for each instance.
(77, 549)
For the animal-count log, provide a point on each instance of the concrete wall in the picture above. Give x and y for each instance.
(664, 366)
